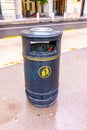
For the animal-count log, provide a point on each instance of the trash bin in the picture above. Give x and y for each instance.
(41, 52)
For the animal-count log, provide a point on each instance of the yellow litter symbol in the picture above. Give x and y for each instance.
(44, 71)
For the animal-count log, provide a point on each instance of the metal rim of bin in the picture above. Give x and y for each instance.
(41, 33)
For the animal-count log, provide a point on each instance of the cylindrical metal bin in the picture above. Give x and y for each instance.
(41, 52)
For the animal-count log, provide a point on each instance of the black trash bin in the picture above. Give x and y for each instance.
(41, 52)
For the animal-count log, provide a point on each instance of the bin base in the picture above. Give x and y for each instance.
(49, 100)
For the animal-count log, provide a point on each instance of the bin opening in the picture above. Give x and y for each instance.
(48, 46)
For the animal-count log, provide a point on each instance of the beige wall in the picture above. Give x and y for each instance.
(85, 9)
(73, 8)
(18, 9)
(8, 9)
(46, 8)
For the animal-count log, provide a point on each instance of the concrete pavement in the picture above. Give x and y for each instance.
(10, 51)
(70, 110)
(68, 113)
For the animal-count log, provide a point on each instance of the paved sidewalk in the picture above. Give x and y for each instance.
(10, 51)
(70, 110)
(68, 113)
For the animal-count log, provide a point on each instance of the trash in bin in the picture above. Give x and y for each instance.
(41, 52)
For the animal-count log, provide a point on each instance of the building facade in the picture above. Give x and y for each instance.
(18, 9)
(85, 8)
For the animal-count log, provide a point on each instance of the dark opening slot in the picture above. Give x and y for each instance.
(43, 47)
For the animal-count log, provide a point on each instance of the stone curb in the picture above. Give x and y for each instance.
(42, 20)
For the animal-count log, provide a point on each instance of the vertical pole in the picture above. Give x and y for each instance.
(52, 15)
(38, 17)
(65, 10)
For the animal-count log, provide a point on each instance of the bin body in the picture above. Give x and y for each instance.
(41, 52)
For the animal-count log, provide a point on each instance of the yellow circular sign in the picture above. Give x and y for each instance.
(44, 71)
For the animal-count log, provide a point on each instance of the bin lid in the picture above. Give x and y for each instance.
(40, 32)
